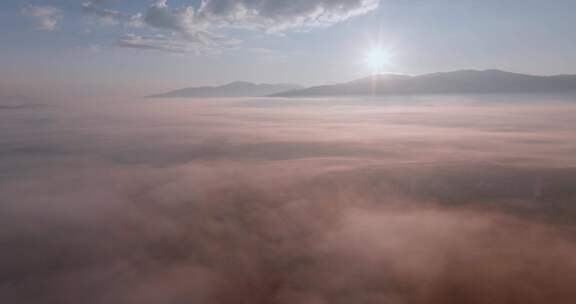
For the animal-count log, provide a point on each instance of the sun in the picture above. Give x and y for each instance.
(377, 58)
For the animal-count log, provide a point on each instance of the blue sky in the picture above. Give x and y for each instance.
(147, 46)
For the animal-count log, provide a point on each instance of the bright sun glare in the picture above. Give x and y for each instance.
(377, 58)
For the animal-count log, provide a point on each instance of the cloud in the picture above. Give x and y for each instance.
(196, 43)
(267, 15)
(104, 16)
(183, 25)
(174, 29)
(429, 200)
(46, 17)
(160, 16)
(197, 29)
(190, 29)
(223, 233)
(159, 43)
(177, 32)
(282, 15)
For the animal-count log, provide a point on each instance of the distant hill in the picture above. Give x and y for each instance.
(457, 82)
(18, 102)
(234, 89)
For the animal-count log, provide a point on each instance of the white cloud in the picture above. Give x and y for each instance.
(268, 15)
(104, 16)
(176, 31)
(197, 43)
(188, 28)
(278, 15)
(160, 16)
(46, 17)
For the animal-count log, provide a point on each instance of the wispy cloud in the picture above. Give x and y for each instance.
(160, 16)
(196, 43)
(182, 26)
(270, 15)
(104, 16)
(45, 17)
(199, 29)
(277, 15)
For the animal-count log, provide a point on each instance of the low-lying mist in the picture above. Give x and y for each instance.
(431, 200)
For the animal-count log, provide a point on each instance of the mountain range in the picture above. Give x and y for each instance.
(456, 82)
(234, 89)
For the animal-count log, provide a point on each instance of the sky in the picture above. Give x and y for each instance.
(96, 47)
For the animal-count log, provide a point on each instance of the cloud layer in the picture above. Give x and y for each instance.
(215, 234)
(394, 200)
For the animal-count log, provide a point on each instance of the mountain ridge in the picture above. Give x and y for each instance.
(453, 82)
(466, 81)
(232, 89)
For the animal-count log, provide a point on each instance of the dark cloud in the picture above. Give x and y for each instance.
(159, 15)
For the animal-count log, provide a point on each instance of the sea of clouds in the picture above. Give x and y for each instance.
(370, 200)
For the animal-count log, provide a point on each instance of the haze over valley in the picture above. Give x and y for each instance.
(287, 152)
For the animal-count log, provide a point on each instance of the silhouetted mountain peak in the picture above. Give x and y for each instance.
(233, 89)
(239, 84)
(455, 82)
(382, 77)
